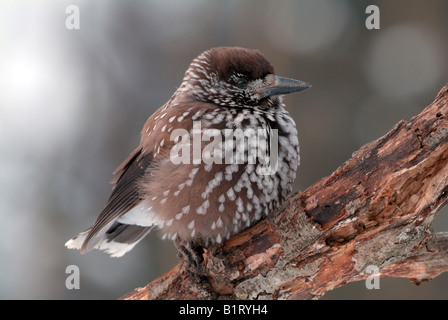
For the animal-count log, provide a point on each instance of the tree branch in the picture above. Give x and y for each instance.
(376, 209)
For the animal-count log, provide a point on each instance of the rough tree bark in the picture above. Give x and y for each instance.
(376, 209)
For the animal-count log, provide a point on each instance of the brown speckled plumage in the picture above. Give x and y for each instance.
(202, 203)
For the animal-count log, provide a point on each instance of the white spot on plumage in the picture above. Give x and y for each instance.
(193, 172)
(254, 177)
(186, 209)
(249, 193)
(238, 186)
(213, 183)
(230, 194)
(219, 223)
(197, 115)
(202, 209)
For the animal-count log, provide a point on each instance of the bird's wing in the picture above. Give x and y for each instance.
(124, 197)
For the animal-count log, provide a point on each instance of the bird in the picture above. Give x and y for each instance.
(189, 177)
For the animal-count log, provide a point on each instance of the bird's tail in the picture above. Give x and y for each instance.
(118, 240)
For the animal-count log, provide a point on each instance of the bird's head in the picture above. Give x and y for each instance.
(236, 77)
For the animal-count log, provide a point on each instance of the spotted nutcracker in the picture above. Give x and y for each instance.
(167, 182)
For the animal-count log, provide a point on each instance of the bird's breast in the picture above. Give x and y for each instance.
(217, 170)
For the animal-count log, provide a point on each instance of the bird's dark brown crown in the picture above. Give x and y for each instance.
(250, 63)
(228, 76)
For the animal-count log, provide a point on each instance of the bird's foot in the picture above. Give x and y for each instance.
(191, 255)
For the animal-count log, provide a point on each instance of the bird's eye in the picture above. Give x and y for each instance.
(241, 83)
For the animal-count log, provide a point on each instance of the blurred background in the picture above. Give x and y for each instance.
(73, 102)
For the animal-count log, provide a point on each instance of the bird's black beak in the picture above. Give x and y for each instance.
(284, 86)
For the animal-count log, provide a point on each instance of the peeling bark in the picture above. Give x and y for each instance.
(376, 209)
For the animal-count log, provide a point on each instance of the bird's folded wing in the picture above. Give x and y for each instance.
(125, 195)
